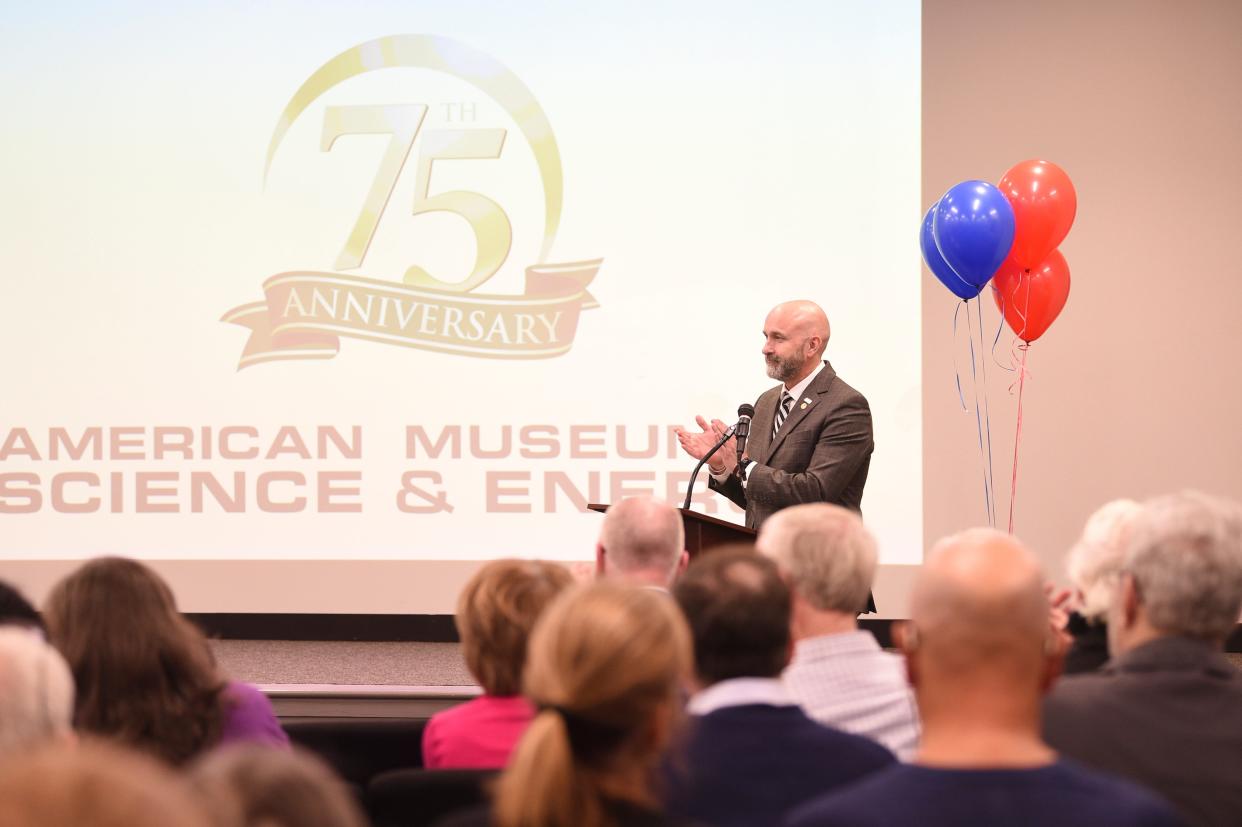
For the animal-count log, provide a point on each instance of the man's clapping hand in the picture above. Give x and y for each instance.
(698, 443)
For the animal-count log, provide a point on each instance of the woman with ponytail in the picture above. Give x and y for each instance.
(604, 668)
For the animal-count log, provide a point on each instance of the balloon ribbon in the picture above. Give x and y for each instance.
(987, 417)
(957, 373)
(1017, 438)
(987, 482)
(1000, 325)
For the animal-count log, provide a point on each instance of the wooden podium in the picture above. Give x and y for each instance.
(703, 532)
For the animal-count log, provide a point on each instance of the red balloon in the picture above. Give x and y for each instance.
(1032, 299)
(1044, 204)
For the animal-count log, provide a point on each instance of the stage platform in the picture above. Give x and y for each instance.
(367, 679)
(350, 679)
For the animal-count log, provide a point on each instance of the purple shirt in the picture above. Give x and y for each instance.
(478, 734)
(249, 718)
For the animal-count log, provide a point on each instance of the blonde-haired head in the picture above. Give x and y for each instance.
(604, 666)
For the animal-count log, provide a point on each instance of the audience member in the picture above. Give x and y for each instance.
(246, 785)
(750, 753)
(604, 668)
(15, 609)
(94, 784)
(145, 675)
(1093, 565)
(495, 614)
(36, 692)
(839, 673)
(1167, 709)
(642, 541)
(980, 654)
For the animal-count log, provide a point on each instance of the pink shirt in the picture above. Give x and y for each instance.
(478, 734)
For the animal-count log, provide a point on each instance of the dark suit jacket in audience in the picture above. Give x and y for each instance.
(1167, 715)
(749, 765)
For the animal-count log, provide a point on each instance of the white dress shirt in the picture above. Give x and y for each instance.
(847, 681)
(739, 692)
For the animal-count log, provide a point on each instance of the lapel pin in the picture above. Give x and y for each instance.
(806, 402)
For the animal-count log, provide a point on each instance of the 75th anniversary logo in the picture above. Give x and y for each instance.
(304, 314)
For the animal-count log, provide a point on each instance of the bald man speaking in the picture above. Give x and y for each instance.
(810, 439)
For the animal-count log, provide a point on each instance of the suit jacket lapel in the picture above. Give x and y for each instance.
(800, 410)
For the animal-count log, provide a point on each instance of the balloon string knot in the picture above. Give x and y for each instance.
(1017, 362)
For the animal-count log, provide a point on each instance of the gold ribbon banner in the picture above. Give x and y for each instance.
(306, 313)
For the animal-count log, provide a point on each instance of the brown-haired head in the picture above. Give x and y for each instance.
(605, 666)
(96, 784)
(496, 612)
(144, 674)
(247, 785)
(738, 610)
(16, 610)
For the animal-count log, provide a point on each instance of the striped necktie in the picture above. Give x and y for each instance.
(782, 412)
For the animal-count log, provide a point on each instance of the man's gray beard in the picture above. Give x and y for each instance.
(783, 369)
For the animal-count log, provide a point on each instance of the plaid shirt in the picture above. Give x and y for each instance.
(847, 681)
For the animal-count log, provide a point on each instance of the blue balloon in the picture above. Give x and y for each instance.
(939, 267)
(973, 227)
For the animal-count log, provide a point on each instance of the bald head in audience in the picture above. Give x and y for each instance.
(642, 541)
(978, 652)
(981, 654)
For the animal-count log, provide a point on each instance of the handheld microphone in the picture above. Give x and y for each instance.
(744, 414)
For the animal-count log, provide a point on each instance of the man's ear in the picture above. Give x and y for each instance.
(1131, 603)
(601, 565)
(682, 563)
(659, 729)
(1055, 650)
(904, 636)
(906, 639)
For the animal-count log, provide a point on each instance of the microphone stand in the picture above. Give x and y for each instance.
(728, 435)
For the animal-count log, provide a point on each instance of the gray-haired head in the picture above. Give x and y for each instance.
(1185, 555)
(642, 535)
(36, 691)
(825, 551)
(1095, 561)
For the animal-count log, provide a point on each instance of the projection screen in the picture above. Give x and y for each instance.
(416, 282)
